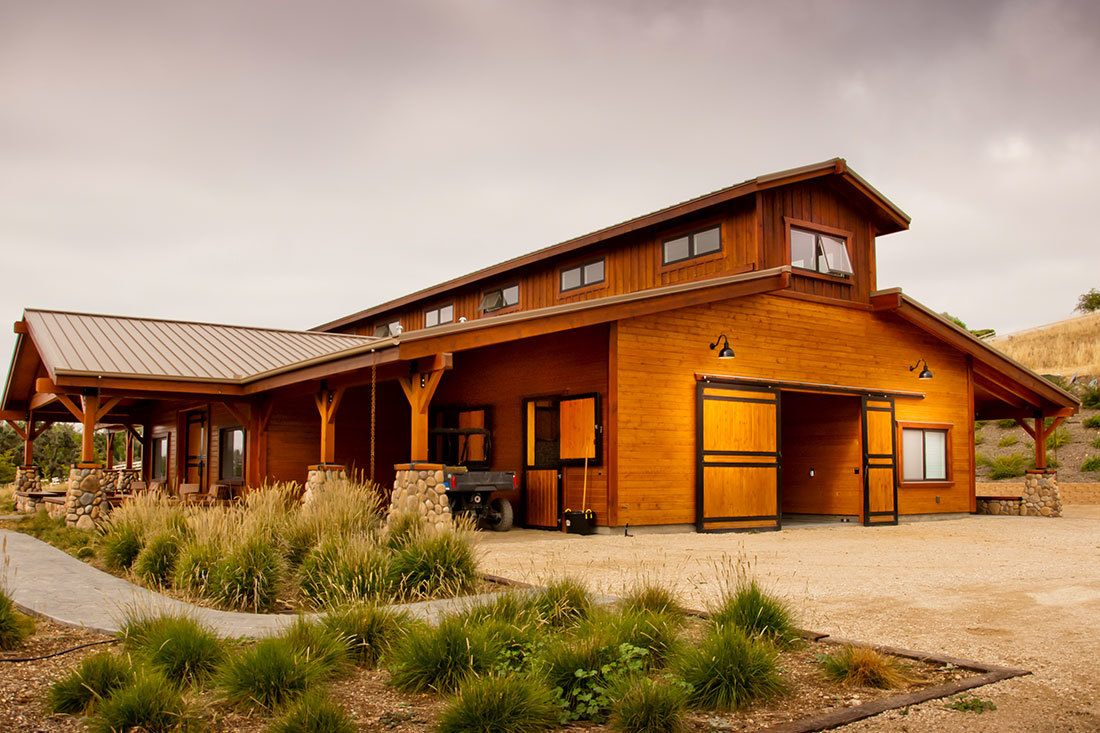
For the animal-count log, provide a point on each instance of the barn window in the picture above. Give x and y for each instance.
(385, 330)
(924, 454)
(439, 316)
(819, 252)
(494, 300)
(231, 454)
(582, 275)
(160, 458)
(696, 244)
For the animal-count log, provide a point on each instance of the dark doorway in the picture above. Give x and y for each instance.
(822, 457)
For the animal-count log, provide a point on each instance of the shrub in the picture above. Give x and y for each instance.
(651, 597)
(1090, 397)
(157, 559)
(54, 531)
(1007, 424)
(1059, 438)
(756, 613)
(267, 674)
(643, 705)
(150, 703)
(318, 643)
(403, 528)
(582, 669)
(978, 438)
(177, 646)
(14, 626)
(434, 564)
(507, 607)
(1008, 440)
(865, 667)
(656, 633)
(971, 704)
(314, 712)
(439, 658)
(1091, 464)
(368, 631)
(1096, 443)
(729, 670)
(501, 704)
(121, 545)
(93, 680)
(196, 560)
(151, 514)
(340, 571)
(562, 603)
(1092, 422)
(1010, 466)
(247, 576)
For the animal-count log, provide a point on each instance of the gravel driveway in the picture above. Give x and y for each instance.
(1018, 591)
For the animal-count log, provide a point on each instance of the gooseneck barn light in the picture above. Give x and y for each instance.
(725, 352)
(925, 373)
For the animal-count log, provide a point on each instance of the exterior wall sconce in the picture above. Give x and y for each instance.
(725, 352)
(925, 373)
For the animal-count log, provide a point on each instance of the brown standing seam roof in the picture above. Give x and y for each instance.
(84, 343)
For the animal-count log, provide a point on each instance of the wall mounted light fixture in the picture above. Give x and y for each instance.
(725, 352)
(925, 373)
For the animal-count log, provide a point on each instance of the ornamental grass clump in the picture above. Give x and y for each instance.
(656, 633)
(439, 658)
(318, 643)
(195, 562)
(120, 545)
(864, 667)
(644, 705)
(150, 703)
(248, 575)
(403, 528)
(434, 565)
(268, 674)
(368, 631)
(654, 598)
(93, 680)
(729, 670)
(15, 627)
(156, 562)
(508, 607)
(1092, 422)
(562, 603)
(581, 670)
(344, 570)
(501, 704)
(1001, 467)
(179, 647)
(1091, 464)
(314, 712)
(748, 607)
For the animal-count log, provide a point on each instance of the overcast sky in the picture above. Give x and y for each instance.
(283, 164)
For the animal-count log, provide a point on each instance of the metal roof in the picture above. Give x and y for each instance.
(91, 344)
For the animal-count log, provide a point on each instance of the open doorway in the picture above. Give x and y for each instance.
(822, 463)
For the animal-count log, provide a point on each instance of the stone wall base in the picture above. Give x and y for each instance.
(323, 477)
(26, 478)
(1008, 506)
(85, 500)
(418, 489)
(1041, 497)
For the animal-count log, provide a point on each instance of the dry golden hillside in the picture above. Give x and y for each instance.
(1066, 347)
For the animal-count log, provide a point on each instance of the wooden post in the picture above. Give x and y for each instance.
(90, 406)
(328, 401)
(419, 389)
(109, 450)
(129, 449)
(1040, 443)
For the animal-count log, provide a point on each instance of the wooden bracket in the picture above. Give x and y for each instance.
(241, 411)
(328, 402)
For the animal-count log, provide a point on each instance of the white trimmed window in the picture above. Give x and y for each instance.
(924, 454)
(494, 300)
(582, 275)
(692, 245)
(385, 330)
(820, 252)
(439, 316)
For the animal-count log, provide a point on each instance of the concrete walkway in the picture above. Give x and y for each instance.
(45, 581)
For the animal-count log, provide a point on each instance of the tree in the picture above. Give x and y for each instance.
(1089, 302)
(56, 450)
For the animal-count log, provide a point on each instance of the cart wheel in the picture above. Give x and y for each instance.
(499, 519)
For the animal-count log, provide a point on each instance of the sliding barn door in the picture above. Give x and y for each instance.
(880, 468)
(737, 445)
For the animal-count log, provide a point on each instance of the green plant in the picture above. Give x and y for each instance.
(1059, 438)
(978, 438)
(267, 675)
(1095, 443)
(1008, 440)
(1010, 466)
(1091, 464)
(581, 670)
(176, 645)
(316, 642)
(1088, 302)
(14, 626)
(196, 560)
(247, 577)
(339, 571)
(368, 631)
(652, 597)
(508, 607)
(1007, 424)
(656, 633)
(865, 667)
(434, 564)
(729, 670)
(157, 559)
(562, 603)
(1090, 397)
(1092, 422)
(403, 528)
(150, 703)
(971, 704)
(55, 532)
(756, 612)
(439, 658)
(643, 705)
(501, 704)
(94, 679)
(121, 545)
(314, 712)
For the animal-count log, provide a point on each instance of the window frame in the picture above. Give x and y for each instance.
(438, 310)
(948, 430)
(222, 478)
(504, 308)
(388, 325)
(692, 256)
(153, 454)
(815, 228)
(582, 266)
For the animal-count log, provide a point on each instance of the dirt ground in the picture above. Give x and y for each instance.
(1017, 591)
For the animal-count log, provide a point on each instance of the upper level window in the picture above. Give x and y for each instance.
(582, 275)
(924, 454)
(494, 300)
(820, 252)
(439, 316)
(692, 245)
(231, 454)
(384, 330)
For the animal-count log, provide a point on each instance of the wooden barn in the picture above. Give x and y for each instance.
(723, 363)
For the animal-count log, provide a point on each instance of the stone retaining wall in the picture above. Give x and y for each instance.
(85, 505)
(418, 489)
(1003, 506)
(322, 477)
(1080, 493)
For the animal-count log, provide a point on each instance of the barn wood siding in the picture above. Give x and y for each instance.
(775, 338)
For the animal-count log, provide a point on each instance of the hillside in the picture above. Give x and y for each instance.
(1064, 348)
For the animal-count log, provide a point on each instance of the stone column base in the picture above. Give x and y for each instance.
(85, 501)
(418, 489)
(1041, 496)
(322, 477)
(26, 478)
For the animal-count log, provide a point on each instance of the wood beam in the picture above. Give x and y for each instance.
(328, 402)
(18, 430)
(67, 401)
(241, 411)
(129, 449)
(106, 406)
(1027, 428)
(42, 399)
(87, 446)
(419, 390)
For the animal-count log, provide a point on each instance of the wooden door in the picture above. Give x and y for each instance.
(542, 463)
(542, 494)
(194, 468)
(738, 452)
(880, 469)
